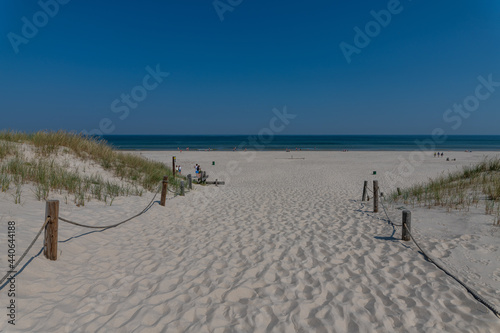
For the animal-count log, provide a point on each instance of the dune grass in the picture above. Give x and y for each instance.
(473, 186)
(136, 172)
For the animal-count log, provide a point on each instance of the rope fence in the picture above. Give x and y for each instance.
(407, 232)
(13, 268)
(150, 204)
(51, 225)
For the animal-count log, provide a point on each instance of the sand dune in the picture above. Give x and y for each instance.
(285, 246)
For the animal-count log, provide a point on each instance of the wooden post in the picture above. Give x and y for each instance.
(216, 184)
(182, 188)
(365, 188)
(204, 177)
(399, 191)
(164, 187)
(190, 182)
(375, 196)
(406, 225)
(51, 229)
(173, 165)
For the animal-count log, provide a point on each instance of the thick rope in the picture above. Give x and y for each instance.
(47, 220)
(175, 192)
(472, 292)
(386, 214)
(116, 224)
(150, 204)
(481, 300)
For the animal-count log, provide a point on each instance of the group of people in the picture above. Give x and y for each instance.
(197, 169)
(438, 154)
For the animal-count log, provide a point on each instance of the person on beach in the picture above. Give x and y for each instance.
(180, 169)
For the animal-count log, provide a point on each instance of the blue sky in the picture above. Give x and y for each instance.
(226, 76)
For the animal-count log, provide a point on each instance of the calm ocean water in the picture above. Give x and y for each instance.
(304, 142)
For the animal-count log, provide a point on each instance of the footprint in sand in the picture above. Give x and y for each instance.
(496, 275)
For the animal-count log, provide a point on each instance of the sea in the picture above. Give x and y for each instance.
(304, 142)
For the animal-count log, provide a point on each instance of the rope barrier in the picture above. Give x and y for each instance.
(175, 192)
(481, 300)
(116, 224)
(386, 214)
(47, 220)
(25, 252)
(472, 292)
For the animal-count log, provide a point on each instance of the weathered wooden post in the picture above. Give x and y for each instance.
(375, 196)
(190, 182)
(51, 229)
(216, 183)
(182, 188)
(365, 188)
(164, 188)
(406, 225)
(204, 177)
(173, 165)
(399, 191)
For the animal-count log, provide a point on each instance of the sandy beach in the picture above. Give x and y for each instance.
(286, 245)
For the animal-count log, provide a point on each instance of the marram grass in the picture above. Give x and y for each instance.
(137, 173)
(473, 186)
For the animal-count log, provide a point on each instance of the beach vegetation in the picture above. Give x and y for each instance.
(47, 173)
(472, 186)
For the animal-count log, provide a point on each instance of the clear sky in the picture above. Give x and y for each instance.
(73, 64)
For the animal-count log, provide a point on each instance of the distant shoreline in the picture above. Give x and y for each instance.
(305, 150)
(303, 142)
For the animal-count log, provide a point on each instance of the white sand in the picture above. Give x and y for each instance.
(285, 246)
